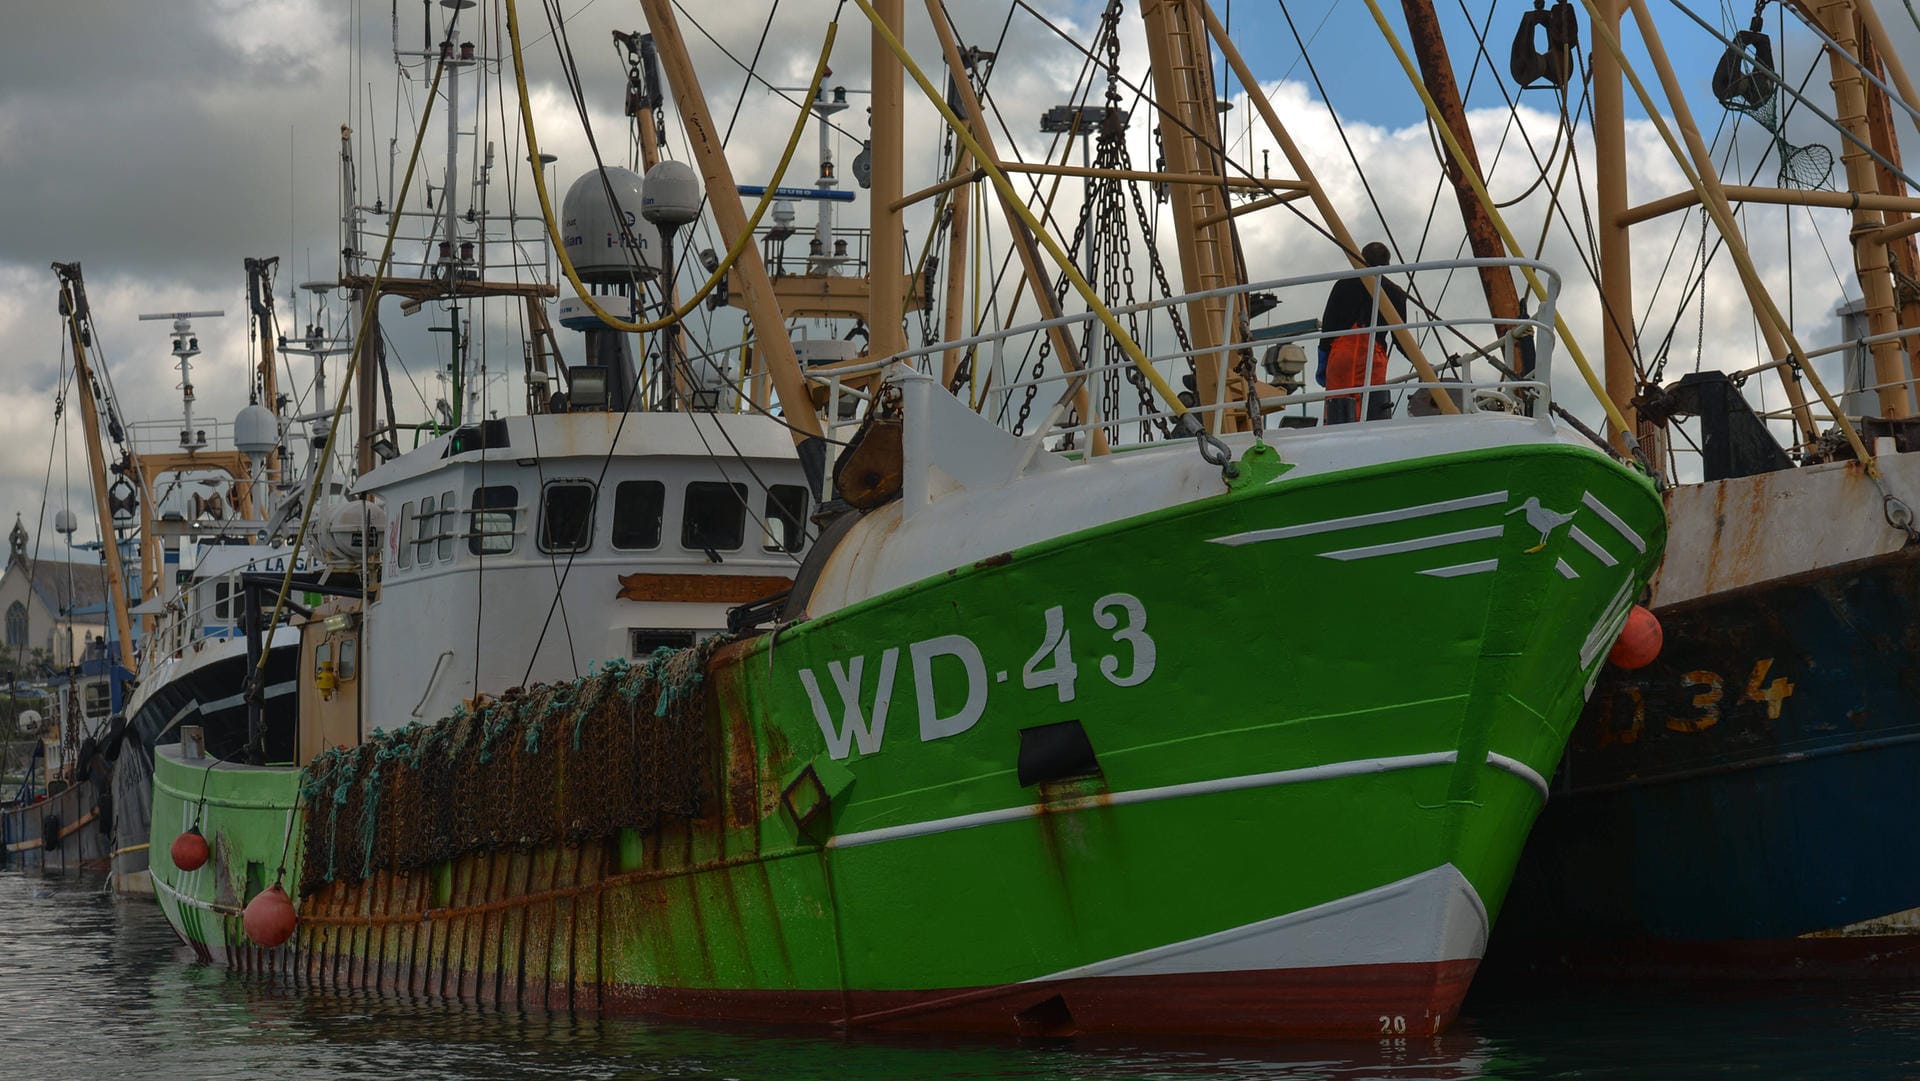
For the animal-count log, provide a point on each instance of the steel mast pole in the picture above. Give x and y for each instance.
(886, 263)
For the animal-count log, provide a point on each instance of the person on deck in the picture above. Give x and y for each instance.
(1344, 360)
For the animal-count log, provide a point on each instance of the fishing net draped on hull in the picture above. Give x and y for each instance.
(555, 763)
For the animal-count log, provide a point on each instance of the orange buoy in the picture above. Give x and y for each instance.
(190, 850)
(268, 919)
(1640, 640)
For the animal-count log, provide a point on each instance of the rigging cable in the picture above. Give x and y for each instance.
(353, 362)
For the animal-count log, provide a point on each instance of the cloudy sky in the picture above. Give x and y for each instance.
(160, 144)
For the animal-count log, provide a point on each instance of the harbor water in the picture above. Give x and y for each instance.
(91, 988)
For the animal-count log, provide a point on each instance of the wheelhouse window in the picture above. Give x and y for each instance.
(638, 506)
(423, 531)
(786, 518)
(349, 666)
(449, 518)
(403, 551)
(490, 527)
(222, 600)
(566, 516)
(715, 516)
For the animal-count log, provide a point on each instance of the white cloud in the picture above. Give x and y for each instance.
(216, 139)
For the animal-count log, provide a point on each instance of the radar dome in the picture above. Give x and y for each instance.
(355, 529)
(29, 721)
(255, 431)
(65, 522)
(672, 194)
(605, 240)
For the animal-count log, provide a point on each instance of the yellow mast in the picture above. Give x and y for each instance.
(1190, 135)
(1839, 20)
(74, 300)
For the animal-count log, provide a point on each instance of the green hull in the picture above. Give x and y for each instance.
(1281, 749)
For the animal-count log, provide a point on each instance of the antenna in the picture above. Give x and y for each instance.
(186, 346)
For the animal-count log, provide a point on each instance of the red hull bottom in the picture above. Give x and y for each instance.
(1342, 1002)
(1347, 1002)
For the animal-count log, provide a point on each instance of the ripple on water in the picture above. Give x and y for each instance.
(99, 988)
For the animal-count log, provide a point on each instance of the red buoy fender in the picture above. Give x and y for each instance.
(189, 850)
(1640, 640)
(268, 919)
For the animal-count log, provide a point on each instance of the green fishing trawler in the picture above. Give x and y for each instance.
(1015, 723)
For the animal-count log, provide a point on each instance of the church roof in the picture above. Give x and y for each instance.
(63, 586)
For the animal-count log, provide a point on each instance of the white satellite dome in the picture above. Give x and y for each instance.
(672, 194)
(604, 249)
(255, 431)
(355, 528)
(30, 722)
(65, 522)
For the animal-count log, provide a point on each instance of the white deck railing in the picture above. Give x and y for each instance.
(1467, 371)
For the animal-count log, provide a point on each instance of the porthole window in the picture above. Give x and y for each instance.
(715, 516)
(638, 506)
(490, 528)
(566, 516)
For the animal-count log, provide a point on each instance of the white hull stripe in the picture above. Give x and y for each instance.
(1438, 540)
(1519, 769)
(231, 701)
(1614, 520)
(1609, 624)
(1593, 546)
(1607, 628)
(1356, 521)
(1460, 569)
(1433, 916)
(1332, 770)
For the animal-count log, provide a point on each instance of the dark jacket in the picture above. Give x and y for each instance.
(1350, 305)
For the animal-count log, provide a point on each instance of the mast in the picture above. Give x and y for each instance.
(723, 196)
(886, 257)
(1189, 124)
(260, 304)
(1321, 203)
(1436, 69)
(643, 107)
(74, 300)
(1616, 253)
(1033, 271)
(1838, 19)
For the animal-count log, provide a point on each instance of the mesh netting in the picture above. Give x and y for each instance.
(555, 763)
(1744, 82)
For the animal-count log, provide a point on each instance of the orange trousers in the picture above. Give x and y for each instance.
(1347, 365)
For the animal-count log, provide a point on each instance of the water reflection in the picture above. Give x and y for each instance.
(98, 988)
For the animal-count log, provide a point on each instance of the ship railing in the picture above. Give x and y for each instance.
(163, 436)
(184, 621)
(1476, 379)
(1861, 343)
